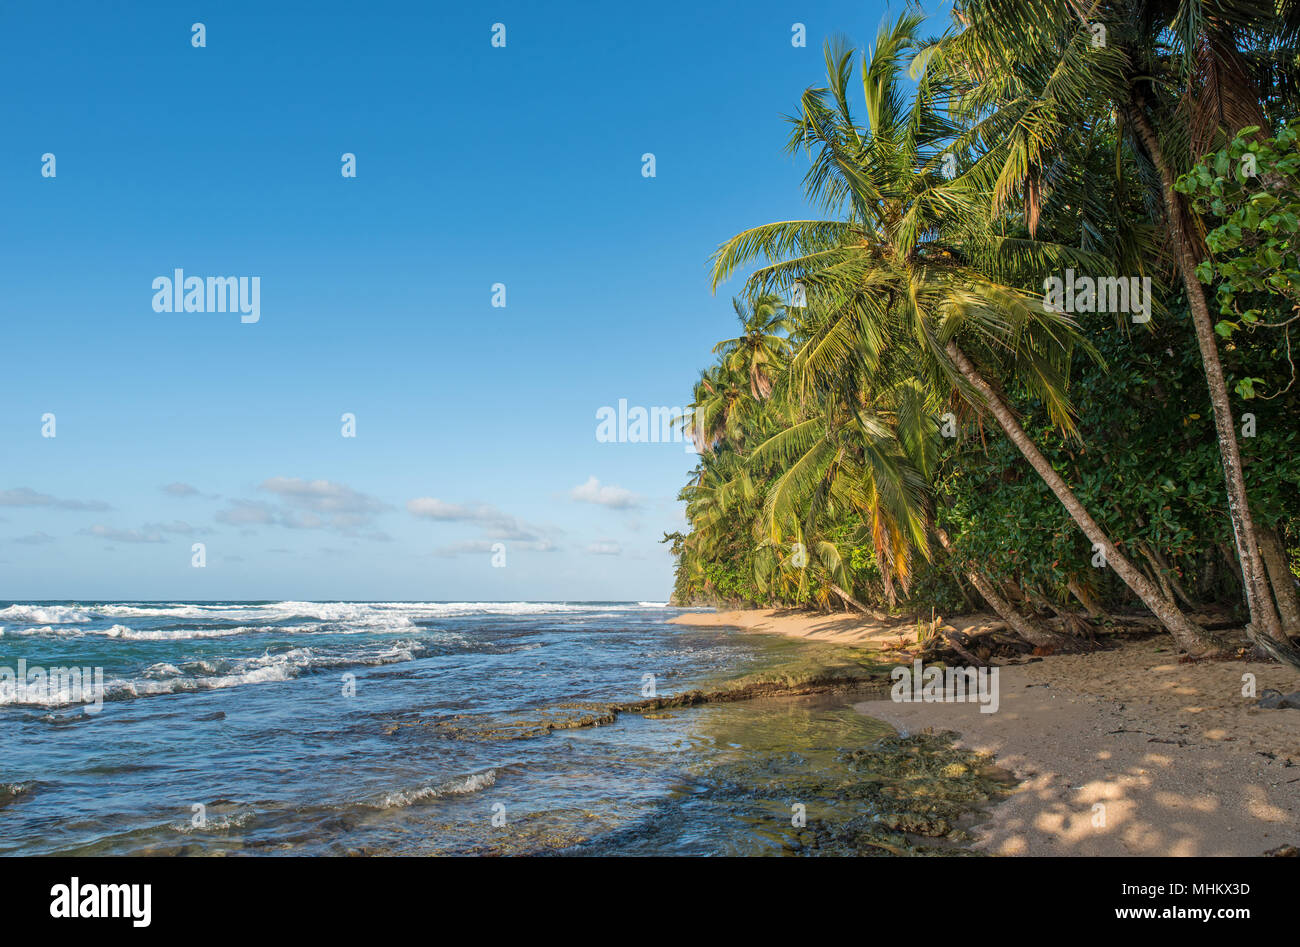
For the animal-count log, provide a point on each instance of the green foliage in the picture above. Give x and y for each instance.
(1149, 472)
(824, 471)
(1250, 191)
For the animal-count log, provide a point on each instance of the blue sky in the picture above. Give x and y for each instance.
(475, 165)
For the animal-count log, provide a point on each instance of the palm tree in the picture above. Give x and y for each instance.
(844, 458)
(1177, 76)
(760, 351)
(721, 408)
(914, 275)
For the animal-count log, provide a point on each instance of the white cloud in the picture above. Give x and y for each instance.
(485, 546)
(309, 504)
(112, 534)
(468, 547)
(616, 498)
(246, 512)
(605, 547)
(25, 496)
(322, 496)
(175, 526)
(435, 509)
(494, 523)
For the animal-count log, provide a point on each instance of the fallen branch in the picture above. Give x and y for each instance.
(954, 642)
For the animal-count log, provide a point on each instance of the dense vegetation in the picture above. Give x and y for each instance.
(909, 419)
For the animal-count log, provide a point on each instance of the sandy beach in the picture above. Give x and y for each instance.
(1120, 752)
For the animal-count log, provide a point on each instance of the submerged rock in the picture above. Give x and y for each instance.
(921, 785)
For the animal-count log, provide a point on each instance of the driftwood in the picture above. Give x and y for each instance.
(978, 646)
(954, 640)
(973, 648)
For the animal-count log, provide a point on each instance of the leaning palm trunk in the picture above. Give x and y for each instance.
(1031, 629)
(1282, 651)
(1273, 551)
(847, 598)
(1086, 599)
(1188, 634)
(1259, 598)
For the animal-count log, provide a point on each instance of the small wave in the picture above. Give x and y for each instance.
(55, 692)
(454, 787)
(11, 791)
(283, 667)
(221, 673)
(225, 823)
(127, 633)
(380, 616)
(380, 611)
(183, 634)
(45, 630)
(161, 611)
(44, 614)
(341, 611)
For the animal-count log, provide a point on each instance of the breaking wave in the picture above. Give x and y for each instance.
(454, 787)
(44, 614)
(383, 615)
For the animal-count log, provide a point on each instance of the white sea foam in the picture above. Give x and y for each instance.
(146, 688)
(178, 634)
(164, 611)
(268, 668)
(383, 616)
(185, 673)
(201, 675)
(43, 614)
(130, 634)
(44, 630)
(60, 689)
(454, 787)
(233, 821)
(353, 611)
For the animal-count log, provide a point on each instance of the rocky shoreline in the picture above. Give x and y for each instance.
(1129, 750)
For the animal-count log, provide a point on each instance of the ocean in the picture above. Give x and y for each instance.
(405, 728)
